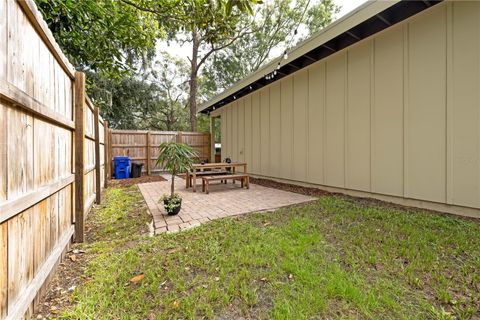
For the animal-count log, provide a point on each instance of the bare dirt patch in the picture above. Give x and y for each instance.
(71, 272)
(313, 192)
(133, 181)
(362, 201)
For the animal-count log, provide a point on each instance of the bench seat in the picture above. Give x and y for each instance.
(189, 176)
(244, 178)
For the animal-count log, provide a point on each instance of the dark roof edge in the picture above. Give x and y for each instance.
(365, 21)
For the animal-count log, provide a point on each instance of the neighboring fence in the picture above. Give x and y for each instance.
(46, 124)
(143, 146)
(94, 155)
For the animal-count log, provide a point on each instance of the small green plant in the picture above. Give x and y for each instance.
(171, 202)
(175, 158)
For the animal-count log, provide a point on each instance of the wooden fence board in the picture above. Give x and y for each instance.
(20, 151)
(42, 144)
(105, 154)
(3, 152)
(3, 40)
(18, 309)
(54, 218)
(13, 207)
(20, 255)
(21, 99)
(35, 18)
(98, 179)
(3, 270)
(40, 228)
(79, 155)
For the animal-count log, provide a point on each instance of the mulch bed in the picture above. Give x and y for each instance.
(132, 181)
(313, 192)
(363, 201)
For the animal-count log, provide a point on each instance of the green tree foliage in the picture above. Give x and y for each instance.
(156, 100)
(108, 38)
(175, 158)
(170, 75)
(273, 28)
(209, 26)
(103, 36)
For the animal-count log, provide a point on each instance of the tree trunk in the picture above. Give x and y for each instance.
(193, 81)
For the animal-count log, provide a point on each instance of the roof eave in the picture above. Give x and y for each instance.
(360, 14)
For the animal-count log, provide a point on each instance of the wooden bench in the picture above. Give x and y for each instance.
(189, 176)
(244, 178)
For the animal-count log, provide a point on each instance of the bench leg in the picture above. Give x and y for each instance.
(241, 183)
(203, 185)
(206, 187)
(248, 182)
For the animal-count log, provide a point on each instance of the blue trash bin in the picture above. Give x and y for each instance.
(122, 167)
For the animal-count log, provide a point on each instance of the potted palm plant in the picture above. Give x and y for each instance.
(175, 158)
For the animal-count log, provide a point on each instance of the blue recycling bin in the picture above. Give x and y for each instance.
(122, 167)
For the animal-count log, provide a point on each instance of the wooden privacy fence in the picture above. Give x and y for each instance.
(143, 146)
(52, 159)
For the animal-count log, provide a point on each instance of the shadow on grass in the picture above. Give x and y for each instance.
(329, 259)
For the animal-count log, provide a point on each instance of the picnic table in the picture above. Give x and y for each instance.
(212, 166)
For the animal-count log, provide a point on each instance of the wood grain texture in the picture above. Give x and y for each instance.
(20, 307)
(3, 269)
(20, 255)
(136, 143)
(13, 207)
(3, 153)
(36, 170)
(3, 39)
(79, 155)
(16, 71)
(14, 95)
(20, 153)
(40, 26)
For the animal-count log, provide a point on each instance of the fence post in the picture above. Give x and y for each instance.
(110, 153)
(98, 186)
(79, 155)
(179, 137)
(106, 145)
(212, 139)
(148, 154)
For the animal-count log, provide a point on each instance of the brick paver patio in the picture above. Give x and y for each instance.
(223, 201)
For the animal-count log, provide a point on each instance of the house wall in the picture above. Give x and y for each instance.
(396, 114)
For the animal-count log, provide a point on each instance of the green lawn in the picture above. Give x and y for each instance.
(336, 258)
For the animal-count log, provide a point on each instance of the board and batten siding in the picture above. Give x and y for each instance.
(397, 114)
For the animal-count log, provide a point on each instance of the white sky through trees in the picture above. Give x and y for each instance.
(183, 51)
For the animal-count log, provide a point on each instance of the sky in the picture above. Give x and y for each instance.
(347, 6)
(184, 51)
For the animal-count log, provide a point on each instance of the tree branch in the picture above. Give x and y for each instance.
(215, 49)
(158, 13)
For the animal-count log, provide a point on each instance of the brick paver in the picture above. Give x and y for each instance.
(223, 201)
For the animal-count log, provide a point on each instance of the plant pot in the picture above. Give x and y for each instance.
(172, 211)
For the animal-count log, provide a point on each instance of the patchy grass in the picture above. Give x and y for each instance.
(336, 258)
(122, 216)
